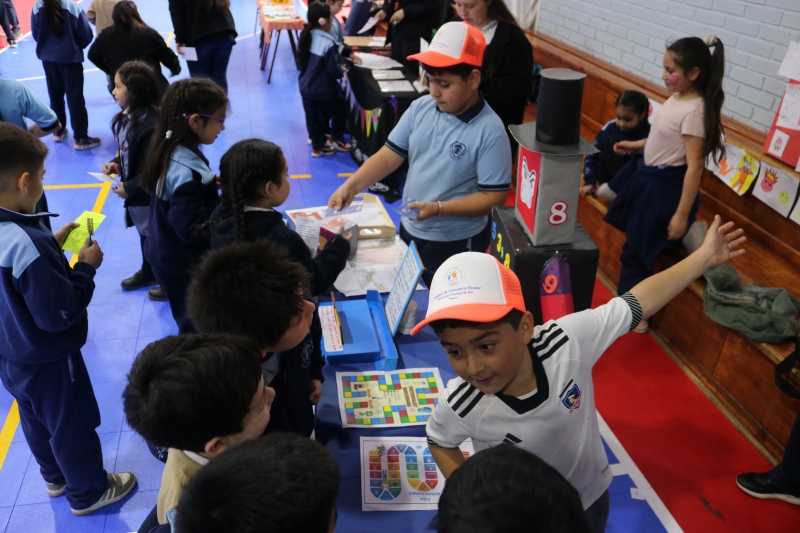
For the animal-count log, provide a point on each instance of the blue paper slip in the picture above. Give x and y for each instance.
(412, 213)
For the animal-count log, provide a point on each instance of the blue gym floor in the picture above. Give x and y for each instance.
(122, 323)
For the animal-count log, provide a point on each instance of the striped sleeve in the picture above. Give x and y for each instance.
(448, 427)
(636, 309)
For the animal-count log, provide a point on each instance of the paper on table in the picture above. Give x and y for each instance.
(331, 333)
(308, 229)
(789, 113)
(189, 53)
(374, 267)
(790, 67)
(403, 287)
(374, 61)
(388, 75)
(392, 86)
(777, 189)
(103, 177)
(78, 236)
(371, 22)
(399, 474)
(377, 41)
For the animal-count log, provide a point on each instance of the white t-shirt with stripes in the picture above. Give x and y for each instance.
(558, 421)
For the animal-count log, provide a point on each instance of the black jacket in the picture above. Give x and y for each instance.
(138, 140)
(507, 73)
(324, 268)
(113, 47)
(197, 23)
(421, 17)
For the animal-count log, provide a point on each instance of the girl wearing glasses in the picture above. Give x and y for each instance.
(183, 188)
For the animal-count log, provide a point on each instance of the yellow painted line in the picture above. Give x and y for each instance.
(97, 208)
(300, 176)
(345, 174)
(7, 433)
(74, 186)
(169, 39)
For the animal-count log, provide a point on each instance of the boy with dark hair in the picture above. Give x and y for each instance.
(199, 395)
(43, 326)
(458, 153)
(253, 289)
(532, 386)
(280, 483)
(506, 488)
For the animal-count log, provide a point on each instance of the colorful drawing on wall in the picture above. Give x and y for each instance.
(778, 143)
(398, 398)
(400, 474)
(737, 169)
(777, 189)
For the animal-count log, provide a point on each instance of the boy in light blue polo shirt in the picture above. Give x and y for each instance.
(458, 153)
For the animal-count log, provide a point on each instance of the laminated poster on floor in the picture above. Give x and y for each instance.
(399, 474)
(397, 398)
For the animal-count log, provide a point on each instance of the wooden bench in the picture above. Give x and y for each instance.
(738, 372)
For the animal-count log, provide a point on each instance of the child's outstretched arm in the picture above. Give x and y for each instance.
(719, 246)
(447, 459)
(378, 166)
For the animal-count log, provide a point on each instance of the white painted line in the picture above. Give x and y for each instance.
(644, 488)
(42, 77)
(245, 36)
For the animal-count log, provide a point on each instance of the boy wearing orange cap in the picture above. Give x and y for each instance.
(458, 153)
(531, 386)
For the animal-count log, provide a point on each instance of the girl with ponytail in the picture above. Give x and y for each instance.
(255, 181)
(657, 192)
(183, 188)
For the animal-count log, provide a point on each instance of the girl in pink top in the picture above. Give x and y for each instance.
(657, 191)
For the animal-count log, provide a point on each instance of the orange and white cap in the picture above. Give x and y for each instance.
(474, 287)
(453, 44)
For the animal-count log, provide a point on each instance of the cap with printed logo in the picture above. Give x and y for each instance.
(474, 287)
(453, 44)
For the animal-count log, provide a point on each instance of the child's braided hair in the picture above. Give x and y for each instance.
(244, 171)
(182, 99)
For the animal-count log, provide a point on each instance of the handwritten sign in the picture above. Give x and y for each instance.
(78, 236)
(331, 331)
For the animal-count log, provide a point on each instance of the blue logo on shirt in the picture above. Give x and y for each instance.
(457, 150)
(573, 398)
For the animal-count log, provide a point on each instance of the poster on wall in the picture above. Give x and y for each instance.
(737, 169)
(795, 214)
(777, 189)
(783, 138)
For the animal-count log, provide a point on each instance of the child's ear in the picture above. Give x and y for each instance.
(693, 74)
(216, 446)
(526, 327)
(22, 182)
(474, 79)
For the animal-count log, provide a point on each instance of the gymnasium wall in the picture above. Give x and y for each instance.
(632, 34)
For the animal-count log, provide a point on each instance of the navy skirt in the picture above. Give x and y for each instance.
(647, 198)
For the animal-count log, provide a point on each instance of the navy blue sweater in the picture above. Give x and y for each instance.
(182, 204)
(319, 80)
(76, 33)
(42, 300)
(602, 166)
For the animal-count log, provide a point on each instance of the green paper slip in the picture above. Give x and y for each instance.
(79, 235)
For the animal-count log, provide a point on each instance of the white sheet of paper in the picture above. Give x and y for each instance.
(387, 482)
(375, 61)
(387, 75)
(373, 268)
(308, 229)
(777, 189)
(395, 86)
(789, 113)
(371, 22)
(190, 53)
(778, 143)
(790, 67)
(377, 41)
(331, 334)
(403, 288)
(103, 177)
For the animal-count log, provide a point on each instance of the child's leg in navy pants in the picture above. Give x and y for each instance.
(174, 286)
(67, 79)
(315, 123)
(59, 416)
(337, 110)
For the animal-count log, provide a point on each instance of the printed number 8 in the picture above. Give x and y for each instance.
(550, 284)
(558, 213)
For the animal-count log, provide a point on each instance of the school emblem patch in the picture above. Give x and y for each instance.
(457, 150)
(573, 398)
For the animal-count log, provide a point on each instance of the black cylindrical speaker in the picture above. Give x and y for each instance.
(558, 111)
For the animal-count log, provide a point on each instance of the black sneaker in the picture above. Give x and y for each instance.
(157, 294)
(759, 486)
(88, 142)
(137, 281)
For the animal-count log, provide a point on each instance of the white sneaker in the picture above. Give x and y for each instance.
(694, 238)
(605, 192)
(119, 486)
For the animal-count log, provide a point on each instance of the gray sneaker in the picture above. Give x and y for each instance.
(119, 486)
(55, 490)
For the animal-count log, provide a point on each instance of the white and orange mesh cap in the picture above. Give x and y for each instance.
(453, 44)
(474, 287)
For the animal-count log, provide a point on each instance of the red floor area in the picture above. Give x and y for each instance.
(685, 447)
(23, 8)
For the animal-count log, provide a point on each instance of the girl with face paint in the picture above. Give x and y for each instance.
(655, 196)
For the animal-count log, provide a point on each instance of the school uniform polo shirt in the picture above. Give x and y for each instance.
(557, 421)
(449, 157)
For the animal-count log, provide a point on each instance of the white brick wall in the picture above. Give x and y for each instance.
(633, 33)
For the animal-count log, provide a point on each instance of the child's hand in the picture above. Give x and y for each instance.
(426, 210)
(341, 198)
(119, 190)
(398, 16)
(677, 227)
(315, 388)
(721, 242)
(179, 47)
(91, 253)
(63, 232)
(109, 168)
(587, 189)
(380, 15)
(623, 147)
(348, 236)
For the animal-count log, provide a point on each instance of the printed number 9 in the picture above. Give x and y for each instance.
(558, 213)
(550, 284)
